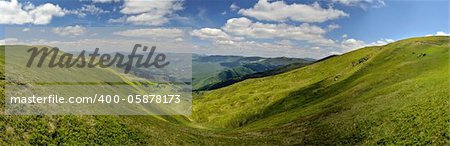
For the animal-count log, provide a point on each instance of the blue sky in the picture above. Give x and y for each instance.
(304, 28)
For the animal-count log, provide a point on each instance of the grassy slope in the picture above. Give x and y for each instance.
(115, 130)
(376, 95)
(66, 129)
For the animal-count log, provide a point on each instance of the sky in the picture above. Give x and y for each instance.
(303, 29)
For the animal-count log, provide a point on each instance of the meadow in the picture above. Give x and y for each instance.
(396, 94)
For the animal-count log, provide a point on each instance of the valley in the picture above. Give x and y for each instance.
(385, 95)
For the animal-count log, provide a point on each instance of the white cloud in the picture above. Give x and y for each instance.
(216, 35)
(147, 19)
(230, 44)
(242, 36)
(234, 7)
(266, 39)
(12, 12)
(107, 44)
(150, 13)
(118, 20)
(280, 11)
(245, 27)
(88, 9)
(353, 44)
(104, 1)
(267, 49)
(347, 2)
(43, 14)
(284, 42)
(153, 33)
(381, 42)
(179, 39)
(92, 9)
(28, 6)
(440, 33)
(69, 30)
(361, 3)
(10, 41)
(335, 53)
(154, 7)
(333, 26)
(210, 33)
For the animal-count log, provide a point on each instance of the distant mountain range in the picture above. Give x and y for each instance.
(212, 72)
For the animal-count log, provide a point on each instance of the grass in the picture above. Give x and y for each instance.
(386, 95)
(377, 95)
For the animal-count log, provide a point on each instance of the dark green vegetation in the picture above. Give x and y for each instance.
(393, 94)
(212, 72)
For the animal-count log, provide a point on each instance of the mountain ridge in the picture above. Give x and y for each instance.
(386, 95)
(378, 71)
(216, 71)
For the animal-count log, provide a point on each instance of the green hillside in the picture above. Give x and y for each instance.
(83, 82)
(393, 94)
(114, 130)
(212, 72)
